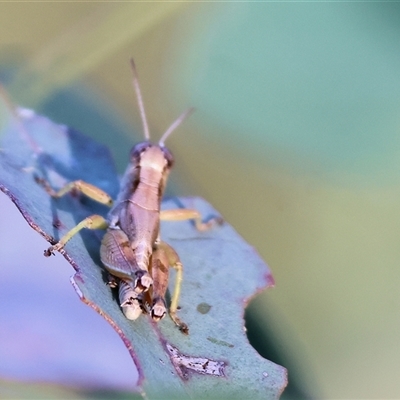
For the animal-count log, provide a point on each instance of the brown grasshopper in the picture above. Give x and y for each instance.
(131, 249)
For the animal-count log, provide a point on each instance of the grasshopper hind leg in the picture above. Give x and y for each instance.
(163, 257)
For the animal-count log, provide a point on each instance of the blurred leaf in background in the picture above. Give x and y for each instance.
(295, 140)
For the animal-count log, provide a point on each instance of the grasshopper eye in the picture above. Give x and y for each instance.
(138, 149)
(168, 156)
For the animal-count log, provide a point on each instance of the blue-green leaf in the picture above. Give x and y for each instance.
(221, 271)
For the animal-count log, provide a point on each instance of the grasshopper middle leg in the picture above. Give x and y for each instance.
(183, 214)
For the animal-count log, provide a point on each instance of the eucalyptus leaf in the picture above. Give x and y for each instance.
(221, 271)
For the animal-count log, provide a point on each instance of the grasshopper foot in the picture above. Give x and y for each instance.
(52, 249)
(211, 223)
(48, 252)
(112, 281)
(184, 328)
(179, 323)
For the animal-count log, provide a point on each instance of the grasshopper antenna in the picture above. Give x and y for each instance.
(140, 101)
(175, 124)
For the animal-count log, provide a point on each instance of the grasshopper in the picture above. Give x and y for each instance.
(131, 249)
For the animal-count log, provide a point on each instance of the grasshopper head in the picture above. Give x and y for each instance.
(150, 155)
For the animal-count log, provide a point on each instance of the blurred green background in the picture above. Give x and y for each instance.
(295, 141)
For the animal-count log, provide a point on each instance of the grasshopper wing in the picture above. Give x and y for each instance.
(119, 259)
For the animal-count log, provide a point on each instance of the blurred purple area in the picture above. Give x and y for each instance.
(46, 332)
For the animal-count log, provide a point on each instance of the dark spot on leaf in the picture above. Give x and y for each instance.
(57, 223)
(203, 308)
(220, 342)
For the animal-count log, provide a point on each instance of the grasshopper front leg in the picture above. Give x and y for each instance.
(92, 222)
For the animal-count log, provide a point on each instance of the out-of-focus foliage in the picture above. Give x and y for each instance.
(27, 391)
(295, 140)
